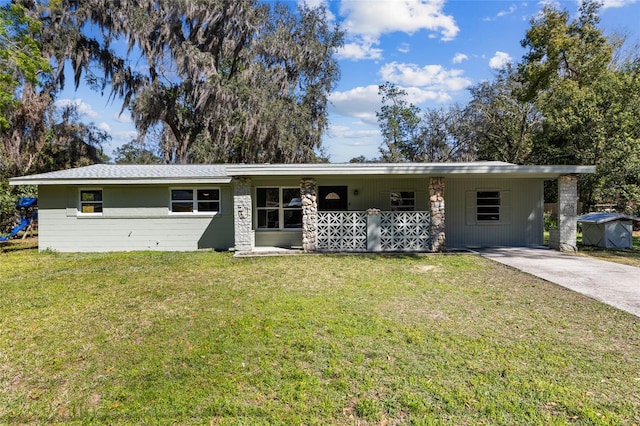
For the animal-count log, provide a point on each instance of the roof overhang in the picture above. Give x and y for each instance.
(222, 174)
(453, 170)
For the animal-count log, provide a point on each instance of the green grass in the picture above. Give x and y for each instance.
(625, 256)
(205, 338)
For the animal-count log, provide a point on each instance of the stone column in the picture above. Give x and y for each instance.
(436, 201)
(567, 212)
(242, 220)
(309, 214)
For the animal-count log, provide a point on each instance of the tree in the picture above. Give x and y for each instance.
(409, 134)
(444, 137)
(135, 152)
(503, 126)
(228, 80)
(22, 105)
(399, 124)
(20, 58)
(588, 102)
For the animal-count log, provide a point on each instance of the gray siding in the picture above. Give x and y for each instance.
(523, 206)
(134, 218)
(284, 238)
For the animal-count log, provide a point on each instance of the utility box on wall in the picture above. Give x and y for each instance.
(607, 230)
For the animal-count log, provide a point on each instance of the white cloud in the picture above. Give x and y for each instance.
(363, 102)
(606, 4)
(360, 102)
(83, 108)
(502, 13)
(378, 17)
(123, 118)
(459, 58)
(350, 132)
(359, 49)
(404, 48)
(104, 127)
(430, 77)
(499, 60)
(124, 136)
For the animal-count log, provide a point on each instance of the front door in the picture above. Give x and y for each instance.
(333, 198)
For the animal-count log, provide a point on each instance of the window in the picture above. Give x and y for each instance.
(488, 206)
(279, 208)
(91, 201)
(195, 200)
(403, 201)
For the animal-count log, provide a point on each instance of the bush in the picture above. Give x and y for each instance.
(9, 196)
(550, 221)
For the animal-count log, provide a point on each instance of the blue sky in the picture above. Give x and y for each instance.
(434, 49)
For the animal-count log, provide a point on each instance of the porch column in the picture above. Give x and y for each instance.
(309, 214)
(567, 212)
(242, 220)
(436, 201)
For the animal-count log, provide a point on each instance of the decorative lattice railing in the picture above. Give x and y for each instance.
(404, 231)
(342, 231)
(384, 231)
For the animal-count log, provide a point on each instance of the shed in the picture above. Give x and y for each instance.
(608, 230)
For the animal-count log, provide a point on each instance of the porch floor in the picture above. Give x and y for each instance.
(269, 251)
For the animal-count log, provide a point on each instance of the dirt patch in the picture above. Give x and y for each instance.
(425, 268)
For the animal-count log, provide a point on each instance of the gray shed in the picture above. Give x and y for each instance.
(608, 230)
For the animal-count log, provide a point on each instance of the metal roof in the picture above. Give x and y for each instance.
(604, 217)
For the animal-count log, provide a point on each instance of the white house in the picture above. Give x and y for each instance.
(419, 207)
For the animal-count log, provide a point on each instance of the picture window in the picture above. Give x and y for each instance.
(278, 208)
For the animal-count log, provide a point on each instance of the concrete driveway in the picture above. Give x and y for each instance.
(611, 283)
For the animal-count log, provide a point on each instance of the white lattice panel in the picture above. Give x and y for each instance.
(404, 231)
(342, 231)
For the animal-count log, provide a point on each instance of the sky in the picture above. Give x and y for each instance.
(433, 49)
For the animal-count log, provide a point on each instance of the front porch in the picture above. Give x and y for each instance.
(501, 205)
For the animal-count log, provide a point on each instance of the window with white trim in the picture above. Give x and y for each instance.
(195, 200)
(278, 208)
(403, 201)
(488, 206)
(90, 201)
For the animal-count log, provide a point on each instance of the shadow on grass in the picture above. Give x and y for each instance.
(19, 244)
(629, 256)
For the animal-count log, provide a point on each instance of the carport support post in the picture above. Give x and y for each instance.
(567, 212)
(309, 214)
(242, 220)
(436, 201)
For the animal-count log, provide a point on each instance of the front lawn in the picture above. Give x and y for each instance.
(205, 338)
(626, 256)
